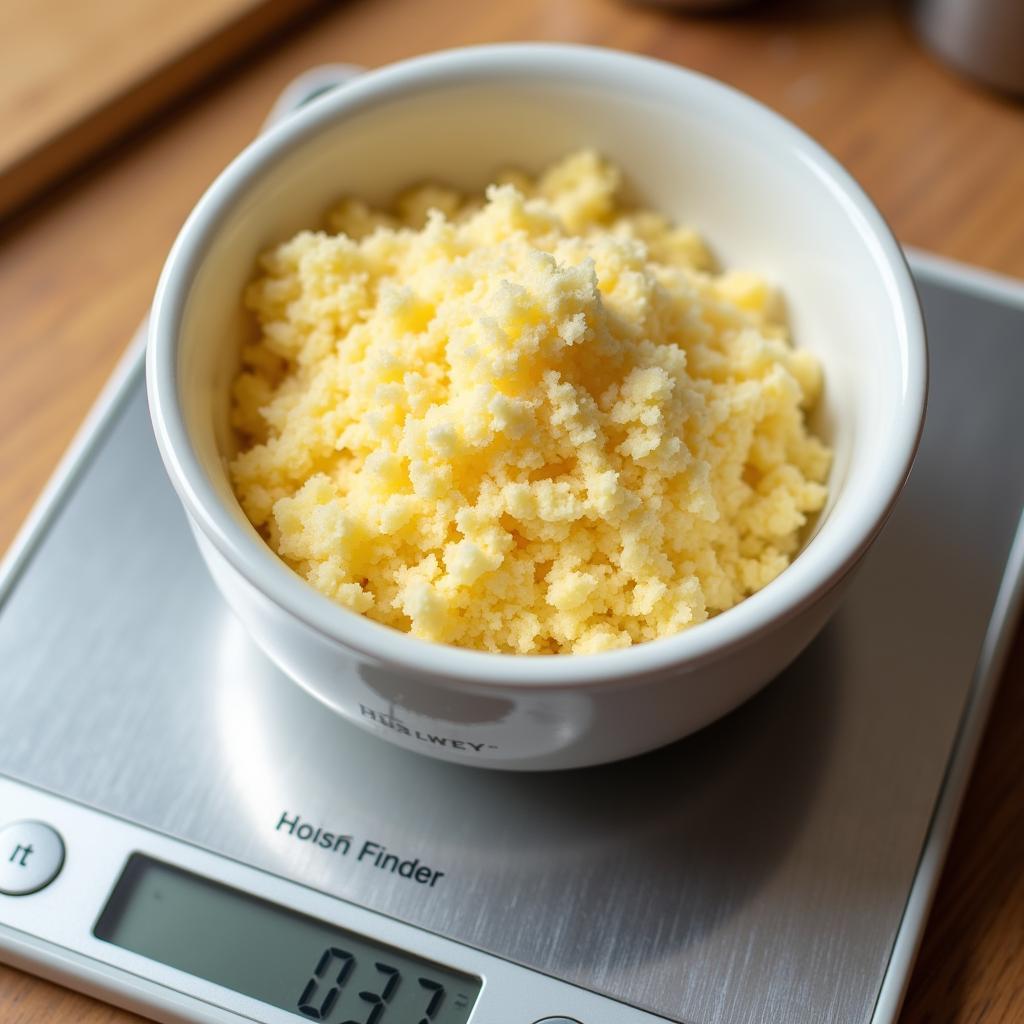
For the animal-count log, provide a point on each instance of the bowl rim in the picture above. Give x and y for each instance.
(818, 568)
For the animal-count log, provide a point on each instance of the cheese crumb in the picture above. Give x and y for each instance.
(530, 422)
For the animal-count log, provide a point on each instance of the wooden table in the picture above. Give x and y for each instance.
(943, 159)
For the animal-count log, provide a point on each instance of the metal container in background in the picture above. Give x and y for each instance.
(983, 38)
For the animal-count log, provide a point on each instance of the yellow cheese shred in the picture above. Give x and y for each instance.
(533, 421)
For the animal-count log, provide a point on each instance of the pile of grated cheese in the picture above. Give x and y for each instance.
(533, 421)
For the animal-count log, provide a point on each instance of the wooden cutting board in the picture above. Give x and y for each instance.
(76, 74)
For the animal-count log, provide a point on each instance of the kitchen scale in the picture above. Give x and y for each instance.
(187, 833)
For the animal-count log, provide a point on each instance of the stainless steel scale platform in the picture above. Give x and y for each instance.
(776, 867)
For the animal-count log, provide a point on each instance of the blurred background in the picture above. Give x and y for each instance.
(916, 98)
(116, 114)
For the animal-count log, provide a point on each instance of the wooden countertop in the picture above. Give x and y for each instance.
(70, 82)
(943, 159)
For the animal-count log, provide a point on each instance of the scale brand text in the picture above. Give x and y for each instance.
(367, 852)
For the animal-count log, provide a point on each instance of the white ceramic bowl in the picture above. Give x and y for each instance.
(765, 196)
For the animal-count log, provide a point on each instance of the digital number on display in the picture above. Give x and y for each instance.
(306, 966)
(336, 972)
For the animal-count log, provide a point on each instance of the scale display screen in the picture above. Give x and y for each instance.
(260, 949)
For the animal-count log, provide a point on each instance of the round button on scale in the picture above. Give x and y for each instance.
(31, 856)
(557, 1020)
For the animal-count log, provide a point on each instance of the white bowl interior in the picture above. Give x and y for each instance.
(703, 155)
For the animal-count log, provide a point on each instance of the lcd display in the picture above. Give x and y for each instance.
(309, 967)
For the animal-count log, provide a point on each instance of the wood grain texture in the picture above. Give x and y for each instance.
(77, 73)
(943, 159)
(971, 966)
(25, 999)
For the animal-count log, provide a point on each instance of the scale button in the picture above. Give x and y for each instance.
(557, 1020)
(31, 856)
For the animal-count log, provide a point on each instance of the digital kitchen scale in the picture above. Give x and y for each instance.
(187, 833)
